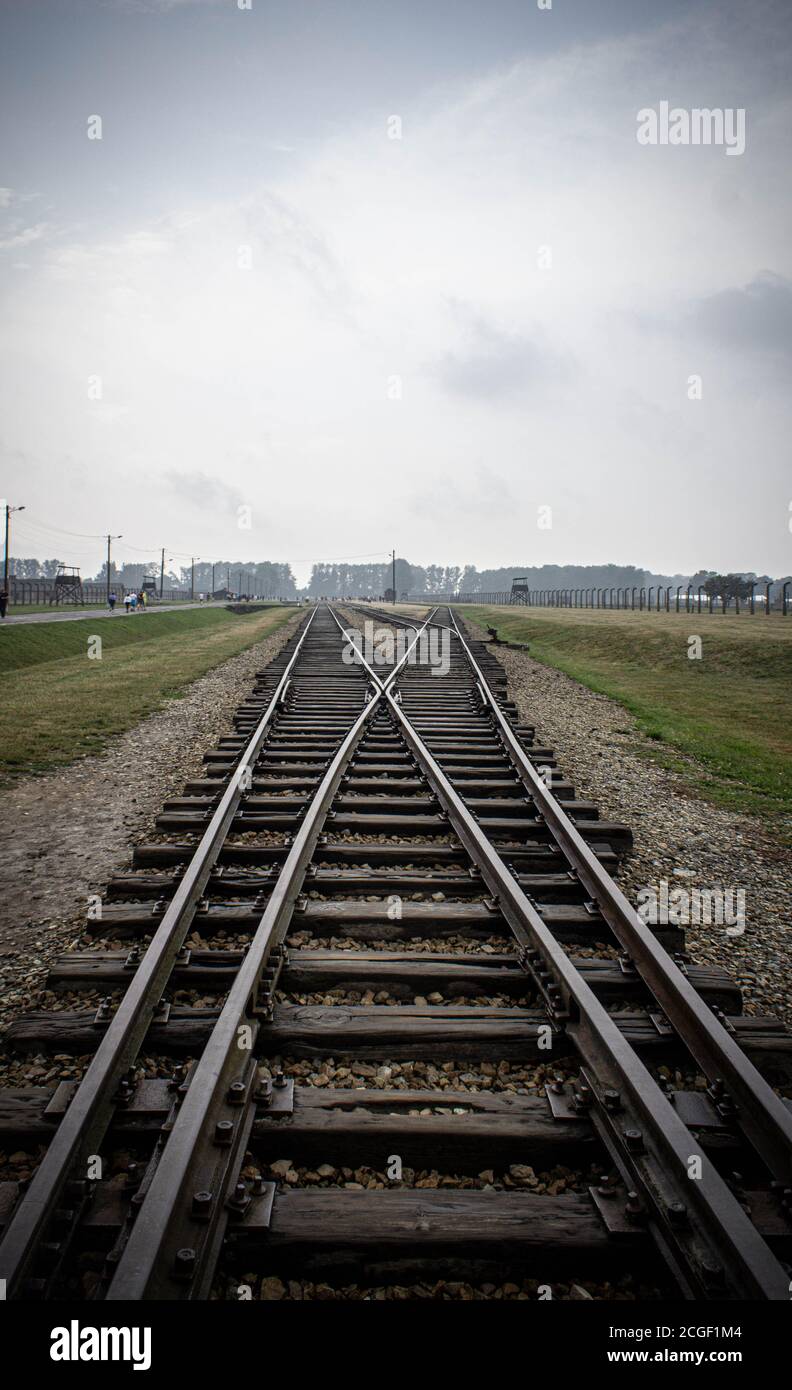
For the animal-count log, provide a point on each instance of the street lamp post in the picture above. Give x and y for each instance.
(8, 510)
(109, 539)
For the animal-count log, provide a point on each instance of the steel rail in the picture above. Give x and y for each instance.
(85, 1122)
(141, 1271)
(765, 1120)
(722, 1223)
(387, 618)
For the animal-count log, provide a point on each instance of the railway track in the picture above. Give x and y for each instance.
(384, 884)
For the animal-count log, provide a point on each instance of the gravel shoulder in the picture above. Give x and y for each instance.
(63, 834)
(679, 839)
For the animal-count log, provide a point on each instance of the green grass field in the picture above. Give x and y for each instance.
(58, 703)
(729, 711)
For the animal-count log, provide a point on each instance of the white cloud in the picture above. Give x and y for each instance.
(25, 237)
(371, 259)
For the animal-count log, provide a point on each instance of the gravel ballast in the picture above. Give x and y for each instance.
(680, 839)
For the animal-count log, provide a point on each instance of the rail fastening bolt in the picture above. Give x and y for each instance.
(677, 1213)
(224, 1131)
(240, 1198)
(201, 1203)
(184, 1263)
(633, 1205)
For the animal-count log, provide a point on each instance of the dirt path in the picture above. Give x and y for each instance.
(19, 617)
(62, 835)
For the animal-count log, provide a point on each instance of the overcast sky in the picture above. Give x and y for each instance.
(359, 337)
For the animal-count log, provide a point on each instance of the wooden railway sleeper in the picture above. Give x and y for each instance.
(90, 1113)
(718, 1224)
(649, 1198)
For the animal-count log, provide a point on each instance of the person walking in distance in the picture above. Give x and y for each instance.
(133, 601)
(111, 601)
(3, 601)
(127, 601)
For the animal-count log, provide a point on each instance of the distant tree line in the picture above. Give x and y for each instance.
(33, 569)
(271, 579)
(361, 581)
(264, 578)
(733, 587)
(372, 580)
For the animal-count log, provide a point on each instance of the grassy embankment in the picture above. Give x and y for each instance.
(57, 703)
(729, 711)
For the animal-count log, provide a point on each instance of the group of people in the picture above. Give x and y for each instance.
(132, 601)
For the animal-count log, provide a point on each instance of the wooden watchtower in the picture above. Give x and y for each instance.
(520, 592)
(68, 586)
